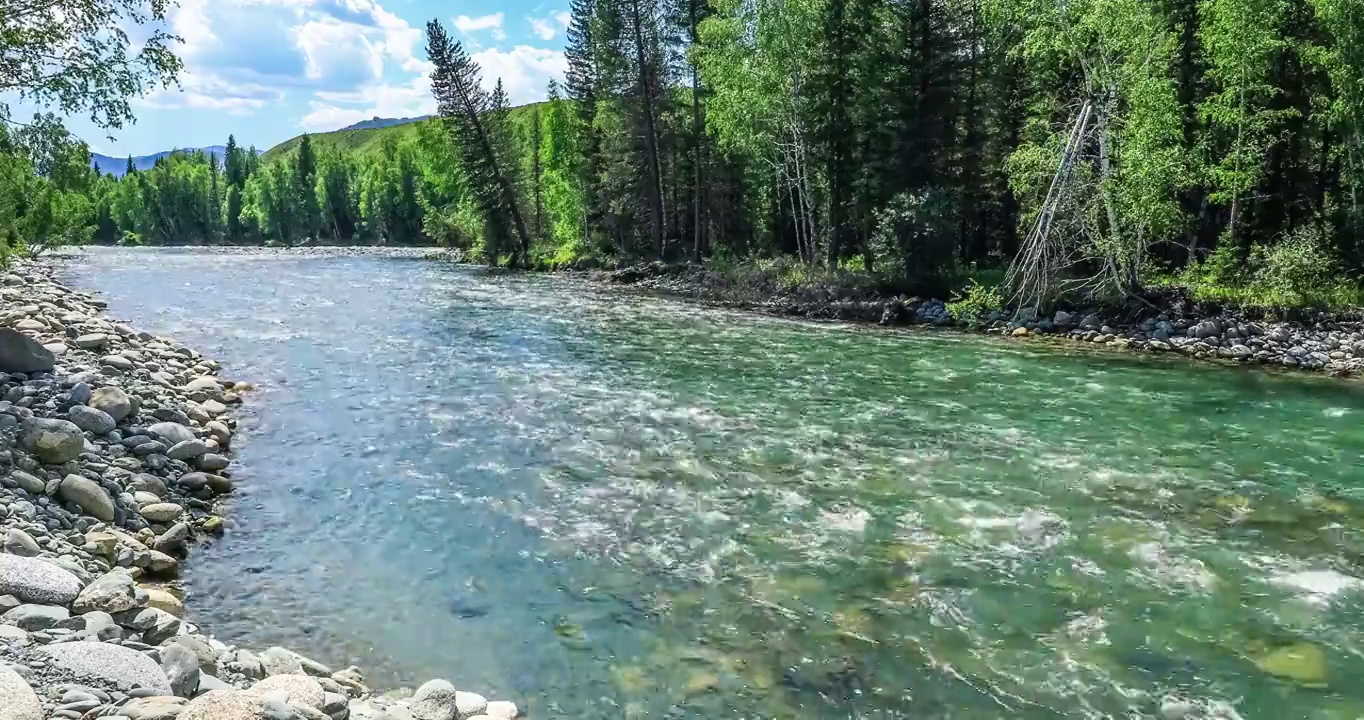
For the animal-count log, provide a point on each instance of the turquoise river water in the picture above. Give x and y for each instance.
(609, 506)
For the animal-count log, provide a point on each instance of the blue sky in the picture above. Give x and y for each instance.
(268, 70)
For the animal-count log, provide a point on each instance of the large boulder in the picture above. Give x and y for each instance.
(279, 661)
(33, 618)
(21, 354)
(171, 433)
(188, 450)
(161, 512)
(91, 420)
(113, 592)
(92, 341)
(18, 542)
(33, 485)
(204, 384)
(17, 699)
(110, 664)
(35, 581)
(54, 442)
(182, 669)
(113, 401)
(301, 688)
(173, 540)
(213, 462)
(162, 600)
(89, 496)
(156, 625)
(439, 700)
(225, 705)
(152, 708)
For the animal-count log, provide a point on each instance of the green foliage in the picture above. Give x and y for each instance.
(42, 212)
(912, 242)
(975, 303)
(76, 55)
(1222, 267)
(479, 126)
(1298, 271)
(883, 145)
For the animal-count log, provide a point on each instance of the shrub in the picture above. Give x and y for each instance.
(1221, 267)
(1297, 269)
(977, 300)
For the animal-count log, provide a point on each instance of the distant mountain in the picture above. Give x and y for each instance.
(378, 122)
(118, 165)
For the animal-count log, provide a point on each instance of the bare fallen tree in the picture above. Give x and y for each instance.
(1039, 270)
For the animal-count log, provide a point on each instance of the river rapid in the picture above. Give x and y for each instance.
(606, 505)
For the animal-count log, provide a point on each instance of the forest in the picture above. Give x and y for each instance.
(1020, 150)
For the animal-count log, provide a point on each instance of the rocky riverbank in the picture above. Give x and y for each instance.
(1174, 325)
(115, 452)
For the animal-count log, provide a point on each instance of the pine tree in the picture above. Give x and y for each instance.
(305, 175)
(462, 103)
(581, 88)
(642, 34)
(537, 171)
(234, 174)
(214, 201)
(833, 124)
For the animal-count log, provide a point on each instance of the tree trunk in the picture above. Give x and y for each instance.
(699, 135)
(655, 175)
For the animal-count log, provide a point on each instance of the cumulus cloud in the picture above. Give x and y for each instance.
(234, 48)
(525, 71)
(326, 118)
(342, 61)
(337, 56)
(543, 29)
(564, 18)
(332, 110)
(207, 92)
(470, 25)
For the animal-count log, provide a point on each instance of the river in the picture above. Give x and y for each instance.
(609, 506)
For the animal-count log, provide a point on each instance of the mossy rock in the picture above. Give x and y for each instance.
(1303, 663)
(702, 681)
(631, 679)
(1234, 503)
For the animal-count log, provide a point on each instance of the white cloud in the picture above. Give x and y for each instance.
(543, 29)
(208, 92)
(326, 118)
(235, 48)
(345, 60)
(192, 24)
(334, 110)
(337, 55)
(525, 71)
(564, 18)
(469, 25)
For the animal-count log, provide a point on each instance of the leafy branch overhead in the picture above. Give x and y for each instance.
(79, 56)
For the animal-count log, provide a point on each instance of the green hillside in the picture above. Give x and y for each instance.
(370, 140)
(362, 141)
